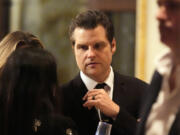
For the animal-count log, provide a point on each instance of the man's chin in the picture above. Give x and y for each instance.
(92, 73)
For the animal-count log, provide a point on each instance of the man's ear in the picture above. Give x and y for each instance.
(113, 46)
(72, 43)
(73, 47)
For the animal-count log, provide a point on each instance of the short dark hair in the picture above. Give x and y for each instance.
(91, 19)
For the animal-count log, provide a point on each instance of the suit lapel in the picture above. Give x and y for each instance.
(80, 87)
(119, 89)
(81, 90)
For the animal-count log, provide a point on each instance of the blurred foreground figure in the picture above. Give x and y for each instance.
(28, 95)
(161, 109)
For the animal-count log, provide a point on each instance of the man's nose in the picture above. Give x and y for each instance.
(162, 13)
(91, 52)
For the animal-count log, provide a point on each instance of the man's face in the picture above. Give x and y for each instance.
(169, 22)
(93, 52)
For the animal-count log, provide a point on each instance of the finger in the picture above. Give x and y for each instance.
(94, 97)
(90, 107)
(91, 97)
(89, 103)
(99, 96)
(85, 97)
(94, 93)
(89, 94)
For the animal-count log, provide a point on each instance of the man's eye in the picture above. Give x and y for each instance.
(98, 46)
(83, 47)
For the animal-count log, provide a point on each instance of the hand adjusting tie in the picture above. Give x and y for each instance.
(106, 88)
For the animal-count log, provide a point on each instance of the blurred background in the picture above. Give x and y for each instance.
(134, 21)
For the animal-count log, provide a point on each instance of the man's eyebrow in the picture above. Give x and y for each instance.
(100, 42)
(81, 45)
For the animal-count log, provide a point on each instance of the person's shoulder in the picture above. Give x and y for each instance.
(129, 79)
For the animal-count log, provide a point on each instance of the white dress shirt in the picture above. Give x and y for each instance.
(91, 84)
(164, 110)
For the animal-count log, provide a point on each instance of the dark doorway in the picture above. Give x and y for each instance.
(4, 17)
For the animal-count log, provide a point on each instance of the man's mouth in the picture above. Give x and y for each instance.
(92, 64)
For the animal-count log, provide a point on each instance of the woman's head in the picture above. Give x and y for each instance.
(14, 40)
(28, 86)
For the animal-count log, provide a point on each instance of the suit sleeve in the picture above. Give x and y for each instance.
(126, 120)
(125, 123)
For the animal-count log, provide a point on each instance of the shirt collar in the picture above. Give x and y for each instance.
(164, 62)
(90, 83)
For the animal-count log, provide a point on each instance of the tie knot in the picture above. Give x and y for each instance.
(102, 86)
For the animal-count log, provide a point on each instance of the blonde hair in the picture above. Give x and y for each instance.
(14, 40)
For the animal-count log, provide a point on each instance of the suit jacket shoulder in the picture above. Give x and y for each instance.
(132, 89)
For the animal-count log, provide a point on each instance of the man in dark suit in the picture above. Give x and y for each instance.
(160, 111)
(93, 43)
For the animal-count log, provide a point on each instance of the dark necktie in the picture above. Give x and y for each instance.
(100, 86)
(106, 88)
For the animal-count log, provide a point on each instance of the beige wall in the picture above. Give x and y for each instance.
(15, 15)
(152, 45)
